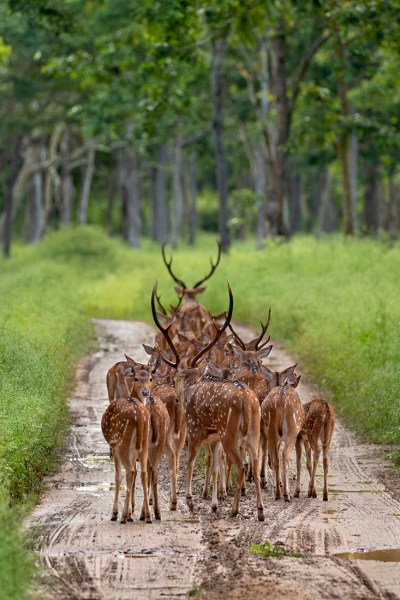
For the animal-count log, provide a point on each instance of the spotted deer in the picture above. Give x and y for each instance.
(316, 433)
(218, 410)
(125, 425)
(192, 315)
(282, 417)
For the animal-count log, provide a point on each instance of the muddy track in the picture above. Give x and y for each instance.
(86, 556)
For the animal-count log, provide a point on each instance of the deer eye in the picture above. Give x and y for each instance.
(136, 379)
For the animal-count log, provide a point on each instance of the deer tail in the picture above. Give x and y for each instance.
(111, 381)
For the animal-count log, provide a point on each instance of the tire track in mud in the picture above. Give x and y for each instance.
(85, 556)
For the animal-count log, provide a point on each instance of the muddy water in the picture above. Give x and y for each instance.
(86, 556)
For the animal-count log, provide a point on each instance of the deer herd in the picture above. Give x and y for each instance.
(204, 385)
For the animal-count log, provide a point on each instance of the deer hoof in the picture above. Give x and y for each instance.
(172, 506)
(205, 495)
(325, 498)
(129, 519)
(123, 520)
(157, 516)
(286, 497)
(234, 513)
(261, 514)
(148, 519)
(114, 516)
(214, 507)
(296, 494)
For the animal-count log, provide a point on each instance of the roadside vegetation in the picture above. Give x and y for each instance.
(335, 306)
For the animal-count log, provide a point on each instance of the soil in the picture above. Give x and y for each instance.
(84, 555)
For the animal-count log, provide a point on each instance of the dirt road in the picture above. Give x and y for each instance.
(86, 556)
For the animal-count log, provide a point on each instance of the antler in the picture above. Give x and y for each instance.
(164, 330)
(219, 332)
(213, 267)
(158, 298)
(264, 328)
(237, 338)
(168, 265)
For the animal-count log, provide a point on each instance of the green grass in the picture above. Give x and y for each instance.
(335, 306)
(268, 549)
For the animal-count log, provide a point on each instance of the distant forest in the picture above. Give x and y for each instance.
(161, 118)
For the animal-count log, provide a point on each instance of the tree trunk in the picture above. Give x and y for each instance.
(35, 210)
(52, 183)
(393, 208)
(257, 160)
(112, 192)
(67, 187)
(275, 212)
(86, 185)
(159, 225)
(131, 193)
(371, 212)
(218, 50)
(327, 219)
(191, 195)
(177, 203)
(10, 181)
(294, 186)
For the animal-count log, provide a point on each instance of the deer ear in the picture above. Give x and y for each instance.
(214, 369)
(236, 352)
(268, 374)
(287, 374)
(149, 349)
(264, 352)
(200, 290)
(130, 361)
(294, 381)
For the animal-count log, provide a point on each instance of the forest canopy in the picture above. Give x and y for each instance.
(163, 118)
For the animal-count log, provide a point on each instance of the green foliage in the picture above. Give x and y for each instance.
(269, 549)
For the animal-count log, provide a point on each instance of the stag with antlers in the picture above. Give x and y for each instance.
(217, 410)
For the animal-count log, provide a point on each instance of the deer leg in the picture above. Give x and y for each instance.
(133, 487)
(118, 479)
(312, 492)
(214, 475)
(222, 477)
(298, 466)
(236, 458)
(207, 462)
(285, 460)
(129, 469)
(253, 453)
(228, 479)
(154, 485)
(325, 462)
(173, 475)
(264, 456)
(193, 450)
(145, 515)
(273, 455)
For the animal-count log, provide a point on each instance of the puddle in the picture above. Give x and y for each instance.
(98, 487)
(388, 555)
(137, 554)
(95, 459)
(356, 491)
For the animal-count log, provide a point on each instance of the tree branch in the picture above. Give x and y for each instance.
(305, 63)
